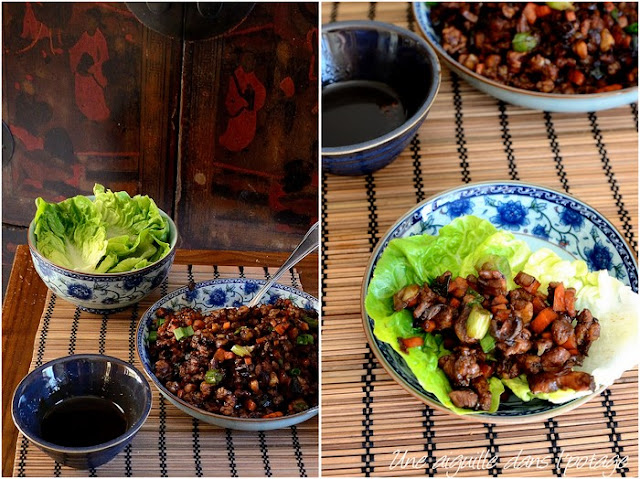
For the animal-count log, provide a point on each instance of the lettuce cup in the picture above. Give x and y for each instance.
(104, 252)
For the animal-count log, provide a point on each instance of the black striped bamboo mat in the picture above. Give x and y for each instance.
(368, 421)
(170, 443)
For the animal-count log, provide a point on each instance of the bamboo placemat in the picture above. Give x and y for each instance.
(170, 442)
(468, 136)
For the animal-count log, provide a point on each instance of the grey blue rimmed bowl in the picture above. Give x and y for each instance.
(538, 215)
(553, 102)
(208, 296)
(81, 375)
(385, 53)
(103, 293)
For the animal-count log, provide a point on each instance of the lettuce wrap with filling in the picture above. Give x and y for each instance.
(459, 248)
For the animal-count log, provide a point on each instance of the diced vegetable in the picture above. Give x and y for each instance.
(183, 332)
(524, 42)
(241, 350)
(543, 319)
(310, 321)
(543, 10)
(488, 343)
(561, 5)
(214, 376)
(529, 12)
(633, 28)
(414, 342)
(478, 322)
(558, 298)
(153, 336)
(304, 339)
(294, 371)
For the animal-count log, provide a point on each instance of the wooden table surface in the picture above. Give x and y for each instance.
(24, 303)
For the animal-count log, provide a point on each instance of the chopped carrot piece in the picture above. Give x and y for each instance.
(538, 304)
(219, 354)
(570, 301)
(414, 342)
(281, 328)
(229, 355)
(226, 325)
(261, 339)
(570, 15)
(247, 360)
(458, 287)
(546, 335)
(613, 87)
(543, 319)
(542, 10)
(533, 287)
(609, 6)
(454, 303)
(273, 414)
(576, 77)
(570, 343)
(251, 405)
(558, 298)
(529, 13)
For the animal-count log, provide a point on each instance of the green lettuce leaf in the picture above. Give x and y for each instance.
(114, 233)
(520, 387)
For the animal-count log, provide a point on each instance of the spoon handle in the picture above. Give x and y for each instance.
(306, 246)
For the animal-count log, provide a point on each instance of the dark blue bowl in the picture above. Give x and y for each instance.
(379, 52)
(81, 375)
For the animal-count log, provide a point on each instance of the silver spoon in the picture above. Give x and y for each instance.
(306, 246)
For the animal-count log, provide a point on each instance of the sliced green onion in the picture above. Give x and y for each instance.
(153, 335)
(487, 343)
(478, 322)
(304, 339)
(561, 5)
(310, 321)
(213, 376)
(633, 28)
(294, 372)
(184, 332)
(524, 42)
(160, 322)
(241, 350)
(615, 13)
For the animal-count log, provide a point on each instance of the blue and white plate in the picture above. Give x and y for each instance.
(208, 296)
(554, 102)
(540, 216)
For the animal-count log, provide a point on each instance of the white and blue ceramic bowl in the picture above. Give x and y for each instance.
(74, 376)
(209, 296)
(106, 292)
(553, 102)
(381, 52)
(540, 216)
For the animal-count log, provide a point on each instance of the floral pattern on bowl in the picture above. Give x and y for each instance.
(103, 293)
(541, 217)
(208, 296)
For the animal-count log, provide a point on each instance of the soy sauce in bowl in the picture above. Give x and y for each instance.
(359, 110)
(83, 421)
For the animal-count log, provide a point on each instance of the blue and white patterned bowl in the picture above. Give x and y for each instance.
(381, 52)
(106, 292)
(540, 216)
(554, 102)
(208, 296)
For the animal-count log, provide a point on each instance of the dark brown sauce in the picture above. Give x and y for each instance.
(83, 421)
(359, 110)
